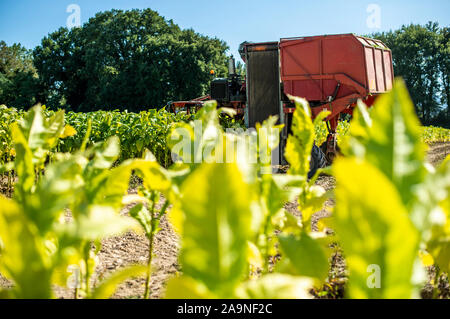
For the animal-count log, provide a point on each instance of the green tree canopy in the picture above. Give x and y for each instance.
(18, 77)
(126, 60)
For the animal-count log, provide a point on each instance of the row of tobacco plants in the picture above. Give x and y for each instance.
(145, 130)
(391, 217)
(136, 131)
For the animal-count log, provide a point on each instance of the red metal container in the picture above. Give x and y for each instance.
(335, 68)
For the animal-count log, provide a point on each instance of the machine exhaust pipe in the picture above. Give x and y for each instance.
(231, 66)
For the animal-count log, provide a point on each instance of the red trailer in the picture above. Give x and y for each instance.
(330, 71)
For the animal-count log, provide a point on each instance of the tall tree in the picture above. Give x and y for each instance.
(18, 77)
(127, 60)
(444, 68)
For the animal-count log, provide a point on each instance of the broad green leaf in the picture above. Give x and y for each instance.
(105, 153)
(268, 140)
(181, 142)
(107, 288)
(300, 143)
(109, 187)
(199, 140)
(438, 245)
(390, 140)
(216, 225)
(320, 117)
(375, 231)
(142, 215)
(241, 147)
(278, 189)
(254, 256)
(311, 201)
(60, 185)
(41, 133)
(430, 199)
(276, 286)
(426, 258)
(68, 261)
(23, 255)
(187, 288)
(291, 224)
(305, 255)
(23, 163)
(439, 249)
(100, 222)
(358, 132)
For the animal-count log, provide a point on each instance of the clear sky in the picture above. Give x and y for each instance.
(28, 21)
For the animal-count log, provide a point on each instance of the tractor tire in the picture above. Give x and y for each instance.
(323, 148)
(317, 161)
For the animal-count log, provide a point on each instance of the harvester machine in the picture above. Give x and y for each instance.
(331, 72)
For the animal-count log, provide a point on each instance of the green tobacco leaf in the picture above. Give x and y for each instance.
(59, 186)
(105, 153)
(23, 256)
(439, 249)
(306, 256)
(268, 140)
(300, 143)
(276, 286)
(391, 140)
(42, 133)
(187, 288)
(311, 201)
(254, 257)
(438, 245)
(352, 143)
(429, 204)
(111, 185)
(196, 142)
(318, 120)
(23, 163)
(181, 142)
(107, 288)
(375, 232)
(142, 215)
(208, 113)
(276, 193)
(100, 222)
(154, 176)
(215, 225)
(291, 224)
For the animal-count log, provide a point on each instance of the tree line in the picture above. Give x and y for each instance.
(130, 60)
(137, 60)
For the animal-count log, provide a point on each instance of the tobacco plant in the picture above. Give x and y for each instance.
(39, 241)
(391, 206)
(226, 214)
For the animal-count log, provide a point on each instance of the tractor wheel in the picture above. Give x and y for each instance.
(329, 159)
(317, 161)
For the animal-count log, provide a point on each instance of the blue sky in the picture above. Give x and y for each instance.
(28, 21)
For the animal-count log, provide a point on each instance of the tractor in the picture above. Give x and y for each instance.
(330, 71)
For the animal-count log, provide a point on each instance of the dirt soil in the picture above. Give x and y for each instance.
(130, 248)
(437, 152)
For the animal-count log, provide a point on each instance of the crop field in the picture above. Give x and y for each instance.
(93, 206)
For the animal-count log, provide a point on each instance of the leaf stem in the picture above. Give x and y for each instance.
(150, 247)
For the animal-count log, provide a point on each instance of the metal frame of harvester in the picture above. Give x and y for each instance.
(330, 71)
